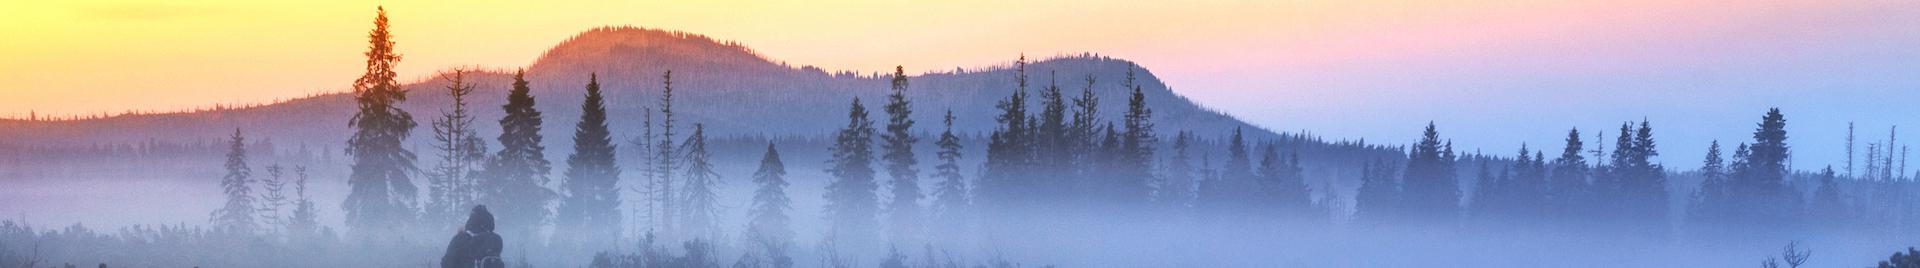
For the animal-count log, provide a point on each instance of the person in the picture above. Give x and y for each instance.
(475, 245)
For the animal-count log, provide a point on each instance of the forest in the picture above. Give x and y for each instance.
(1057, 182)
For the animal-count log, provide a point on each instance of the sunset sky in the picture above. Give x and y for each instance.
(1491, 73)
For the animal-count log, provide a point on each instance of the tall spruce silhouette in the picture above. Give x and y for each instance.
(238, 213)
(590, 209)
(1003, 188)
(904, 217)
(514, 186)
(1430, 191)
(950, 194)
(700, 200)
(852, 205)
(381, 195)
(1137, 146)
(769, 229)
(665, 160)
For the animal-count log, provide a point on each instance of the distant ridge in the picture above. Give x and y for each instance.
(724, 85)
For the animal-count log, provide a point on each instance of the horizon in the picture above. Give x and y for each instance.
(1392, 62)
(1208, 133)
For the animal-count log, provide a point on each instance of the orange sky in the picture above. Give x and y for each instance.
(87, 57)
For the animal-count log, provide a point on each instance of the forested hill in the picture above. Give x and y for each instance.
(726, 86)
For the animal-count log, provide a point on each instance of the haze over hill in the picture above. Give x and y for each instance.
(723, 85)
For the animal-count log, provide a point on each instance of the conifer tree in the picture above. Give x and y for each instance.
(1009, 152)
(462, 153)
(1176, 191)
(768, 222)
(238, 213)
(664, 159)
(1085, 130)
(274, 199)
(851, 202)
(903, 212)
(1137, 145)
(305, 219)
(590, 208)
(381, 194)
(1567, 185)
(515, 185)
(950, 194)
(1429, 188)
(700, 208)
(1378, 199)
(1709, 202)
(1828, 205)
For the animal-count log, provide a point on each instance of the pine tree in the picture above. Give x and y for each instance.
(590, 208)
(950, 195)
(462, 152)
(768, 225)
(1429, 188)
(851, 201)
(514, 187)
(903, 212)
(238, 213)
(381, 196)
(700, 208)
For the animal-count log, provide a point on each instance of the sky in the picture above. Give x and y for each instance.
(1491, 74)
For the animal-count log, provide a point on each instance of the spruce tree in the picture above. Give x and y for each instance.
(381, 195)
(1138, 145)
(851, 202)
(1085, 131)
(1429, 188)
(1009, 153)
(700, 208)
(1567, 185)
(274, 199)
(514, 187)
(664, 159)
(238, 214)
(305, 219)
(903, 212)
(768, 225)
(590, 208)
(950, 194)
(1378, 199)
(1708, 205)
(1828, 206)
(1053, 153)
(1176, 191)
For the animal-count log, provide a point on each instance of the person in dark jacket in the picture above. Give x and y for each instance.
(475, 245)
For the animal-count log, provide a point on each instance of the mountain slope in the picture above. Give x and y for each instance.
(723, 85)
